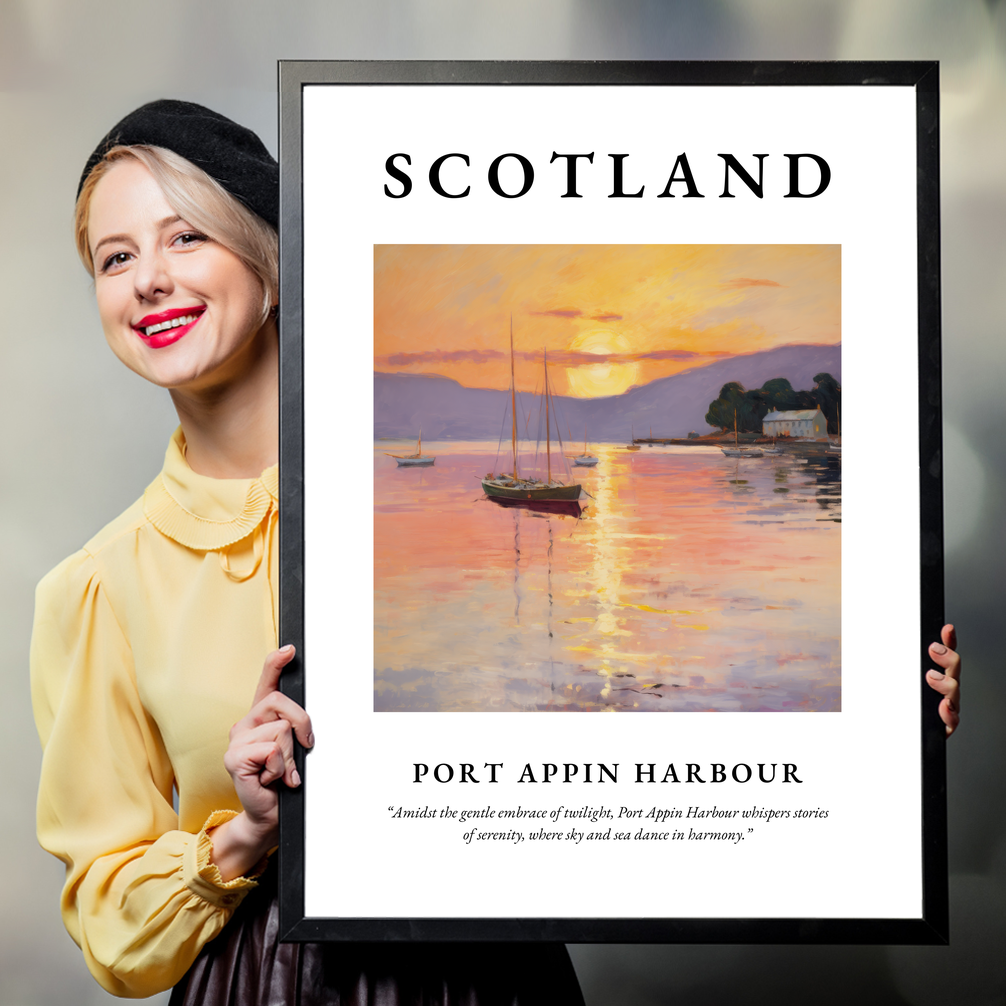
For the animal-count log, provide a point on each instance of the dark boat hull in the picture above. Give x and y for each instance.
(542, 494)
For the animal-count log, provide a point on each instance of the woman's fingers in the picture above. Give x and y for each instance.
(947, 680)
(277, 706)
(261, 749)
(274, 735)
(949, 712)
(274, 766)
(949, 660)
(272, 668)
(270, 703)
(947, 686)
(259, 761)
(949, 636)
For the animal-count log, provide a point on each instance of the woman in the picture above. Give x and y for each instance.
(149, 642)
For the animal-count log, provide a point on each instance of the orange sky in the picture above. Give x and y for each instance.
(610, 316)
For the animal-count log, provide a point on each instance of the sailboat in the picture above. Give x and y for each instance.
(835, 446)
(417, 460)
(737, 451)
(511, 487)
(584, 460)
(774, 449)
(633, 446)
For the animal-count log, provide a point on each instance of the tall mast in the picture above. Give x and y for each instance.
(548, 438)
(513, 400)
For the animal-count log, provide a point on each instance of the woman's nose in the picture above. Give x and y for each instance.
(152, 277)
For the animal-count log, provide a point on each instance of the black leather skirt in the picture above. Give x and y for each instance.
(246, 965)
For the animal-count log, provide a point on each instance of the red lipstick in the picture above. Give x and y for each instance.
(165, 324)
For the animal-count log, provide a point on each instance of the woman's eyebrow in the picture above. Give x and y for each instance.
(109, 240)
(160, 225)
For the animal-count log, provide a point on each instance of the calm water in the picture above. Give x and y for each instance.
(691, 582)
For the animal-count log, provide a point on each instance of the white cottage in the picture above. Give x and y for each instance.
(798, 423)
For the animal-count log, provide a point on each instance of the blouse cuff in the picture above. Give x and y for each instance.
(202, 876)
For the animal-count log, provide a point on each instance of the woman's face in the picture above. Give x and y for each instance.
(177, 308)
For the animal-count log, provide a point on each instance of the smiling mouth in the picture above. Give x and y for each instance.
(164, 326)
(167, 327)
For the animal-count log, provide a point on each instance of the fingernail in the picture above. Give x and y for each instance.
(295, 777)
(287, 649)
(936, 675)
(310, 740)
(938, 648)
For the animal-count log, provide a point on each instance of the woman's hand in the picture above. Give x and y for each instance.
(947, 682)
(260, 754)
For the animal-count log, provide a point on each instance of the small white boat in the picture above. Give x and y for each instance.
(740, 452)
(835, 447)
(584, 460)
(417, 460)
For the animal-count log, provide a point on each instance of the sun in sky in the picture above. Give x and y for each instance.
(593, 380)
(609, 316)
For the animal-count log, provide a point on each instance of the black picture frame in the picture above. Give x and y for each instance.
(931, 927)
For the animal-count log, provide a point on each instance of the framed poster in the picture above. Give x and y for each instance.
(611, 609)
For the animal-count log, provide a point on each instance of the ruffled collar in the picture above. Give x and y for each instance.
(203, 513)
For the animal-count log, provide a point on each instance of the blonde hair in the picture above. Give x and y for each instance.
(199, 200)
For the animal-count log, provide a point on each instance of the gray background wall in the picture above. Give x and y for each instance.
(82, 437)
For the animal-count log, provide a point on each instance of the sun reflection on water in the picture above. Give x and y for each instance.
(689, 583)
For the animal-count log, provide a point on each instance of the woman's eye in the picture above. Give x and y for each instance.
(114, 261)
(190, 238)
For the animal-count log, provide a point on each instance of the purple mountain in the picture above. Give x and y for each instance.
(671, 407)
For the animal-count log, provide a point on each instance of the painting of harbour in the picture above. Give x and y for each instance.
(607, 478)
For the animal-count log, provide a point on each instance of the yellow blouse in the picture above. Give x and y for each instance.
(147, 647)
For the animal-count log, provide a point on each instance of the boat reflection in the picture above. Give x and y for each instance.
(564, 508)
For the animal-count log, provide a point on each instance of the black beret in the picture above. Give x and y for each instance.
(230, 154)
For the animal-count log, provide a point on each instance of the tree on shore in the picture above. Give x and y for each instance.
(780, 396)
(829, 395)
(777, 395)
(746, 408)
